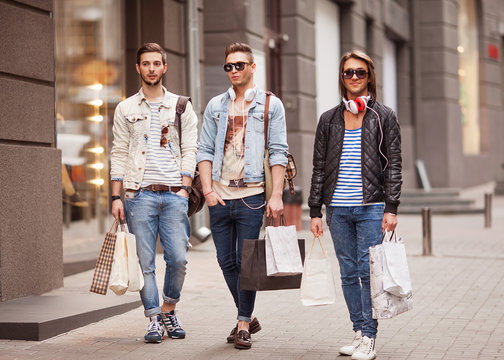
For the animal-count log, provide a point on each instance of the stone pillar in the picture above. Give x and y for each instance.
(31, 245)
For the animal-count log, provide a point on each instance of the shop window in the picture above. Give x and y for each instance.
(468, 76)
(327, 54)
(274, 39)
(390, 74)
(89, 84)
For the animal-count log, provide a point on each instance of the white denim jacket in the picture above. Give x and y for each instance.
(132, 130)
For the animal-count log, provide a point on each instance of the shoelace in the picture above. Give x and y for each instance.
(175, 321)
(153, 326)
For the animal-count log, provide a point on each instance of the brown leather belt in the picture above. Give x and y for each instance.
(156, 187)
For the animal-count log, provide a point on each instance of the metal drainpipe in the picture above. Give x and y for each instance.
(194, 76)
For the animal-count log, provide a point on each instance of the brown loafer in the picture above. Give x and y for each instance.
(254, 327)
(242, 340)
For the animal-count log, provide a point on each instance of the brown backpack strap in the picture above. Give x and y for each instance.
(266, 118)
(179, 110)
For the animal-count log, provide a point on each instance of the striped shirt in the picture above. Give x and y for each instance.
(348, 190)
(160, 166)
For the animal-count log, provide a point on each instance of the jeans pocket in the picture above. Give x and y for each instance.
(132, 195)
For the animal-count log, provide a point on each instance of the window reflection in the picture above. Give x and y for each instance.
(468, 75)
(89, 84)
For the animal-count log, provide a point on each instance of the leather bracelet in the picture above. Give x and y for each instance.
(208, 193)
(115, 197)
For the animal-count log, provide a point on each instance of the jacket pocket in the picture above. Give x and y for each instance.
(135, 118)
(136, 123)
(258, 122)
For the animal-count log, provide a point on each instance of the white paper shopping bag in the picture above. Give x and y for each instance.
(282, 251)
(135, 275)
(317, 282)
(396, 278)
(119, 273)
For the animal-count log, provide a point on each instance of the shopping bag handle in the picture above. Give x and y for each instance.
(313, 244)
(114, 227)
(392, 238)
(270, 221)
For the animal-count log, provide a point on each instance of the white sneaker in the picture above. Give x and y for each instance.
(366, 350)
(350, 349)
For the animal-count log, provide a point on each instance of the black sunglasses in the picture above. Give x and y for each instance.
(361, 73)
(239, 66)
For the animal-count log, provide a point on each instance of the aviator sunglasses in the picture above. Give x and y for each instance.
(239, 66)
(361, 73)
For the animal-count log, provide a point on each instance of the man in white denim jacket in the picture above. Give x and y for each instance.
(155, 168)
(231, 164)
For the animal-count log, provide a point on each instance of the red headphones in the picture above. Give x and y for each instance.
(357, 105)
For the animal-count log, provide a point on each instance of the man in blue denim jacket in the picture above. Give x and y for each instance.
(231, 164)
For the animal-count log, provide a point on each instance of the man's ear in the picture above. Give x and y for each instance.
(253, 67)
(137, 68)
(165, 67)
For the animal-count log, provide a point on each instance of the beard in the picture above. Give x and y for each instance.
(151, 83)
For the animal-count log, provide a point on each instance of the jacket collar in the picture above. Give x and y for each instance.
(166, 98)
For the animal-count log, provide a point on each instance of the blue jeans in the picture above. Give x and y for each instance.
(151, 213)
(230, 225)
(354, 229)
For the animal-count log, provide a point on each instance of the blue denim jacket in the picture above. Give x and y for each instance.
(213, 133)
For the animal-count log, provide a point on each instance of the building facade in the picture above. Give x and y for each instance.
(64, 66)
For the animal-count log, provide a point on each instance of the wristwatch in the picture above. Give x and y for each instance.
(115, 197)
(187, 188)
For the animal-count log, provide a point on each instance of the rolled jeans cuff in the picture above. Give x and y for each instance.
(244, 318)
(152, 312)
(170, 300)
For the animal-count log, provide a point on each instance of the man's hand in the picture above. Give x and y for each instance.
(316, 226)
(182, 193)
(275, 206)
(212, 199)
(118, 209)
(389, 222)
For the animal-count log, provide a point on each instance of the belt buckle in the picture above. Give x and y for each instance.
(155, 187)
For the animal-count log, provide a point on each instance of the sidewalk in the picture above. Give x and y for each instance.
(458, 311)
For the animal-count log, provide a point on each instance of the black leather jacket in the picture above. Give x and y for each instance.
(381, 178)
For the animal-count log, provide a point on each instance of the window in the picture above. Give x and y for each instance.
(390, 74)
(468, 76)
(89, 84)
(327, 54)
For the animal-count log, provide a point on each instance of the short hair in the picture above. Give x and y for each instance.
(240, 47)
(359, 55)
(150, 47)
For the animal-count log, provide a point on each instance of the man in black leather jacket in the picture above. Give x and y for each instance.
(357, 176)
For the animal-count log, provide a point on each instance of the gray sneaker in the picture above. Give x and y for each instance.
(173, 325)
(154, 332)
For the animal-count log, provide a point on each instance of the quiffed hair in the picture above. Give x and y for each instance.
(150, 47)
(240, 47)
(357, 54)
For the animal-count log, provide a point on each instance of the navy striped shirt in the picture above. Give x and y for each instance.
(348, 190)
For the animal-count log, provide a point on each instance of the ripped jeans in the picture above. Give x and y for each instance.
(147, 214)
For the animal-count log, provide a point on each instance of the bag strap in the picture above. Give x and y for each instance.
(313, 244)
(266, 118)
(114, 227)
(392, 238)
(179, 110)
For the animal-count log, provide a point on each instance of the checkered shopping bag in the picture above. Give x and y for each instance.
(104, 264)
